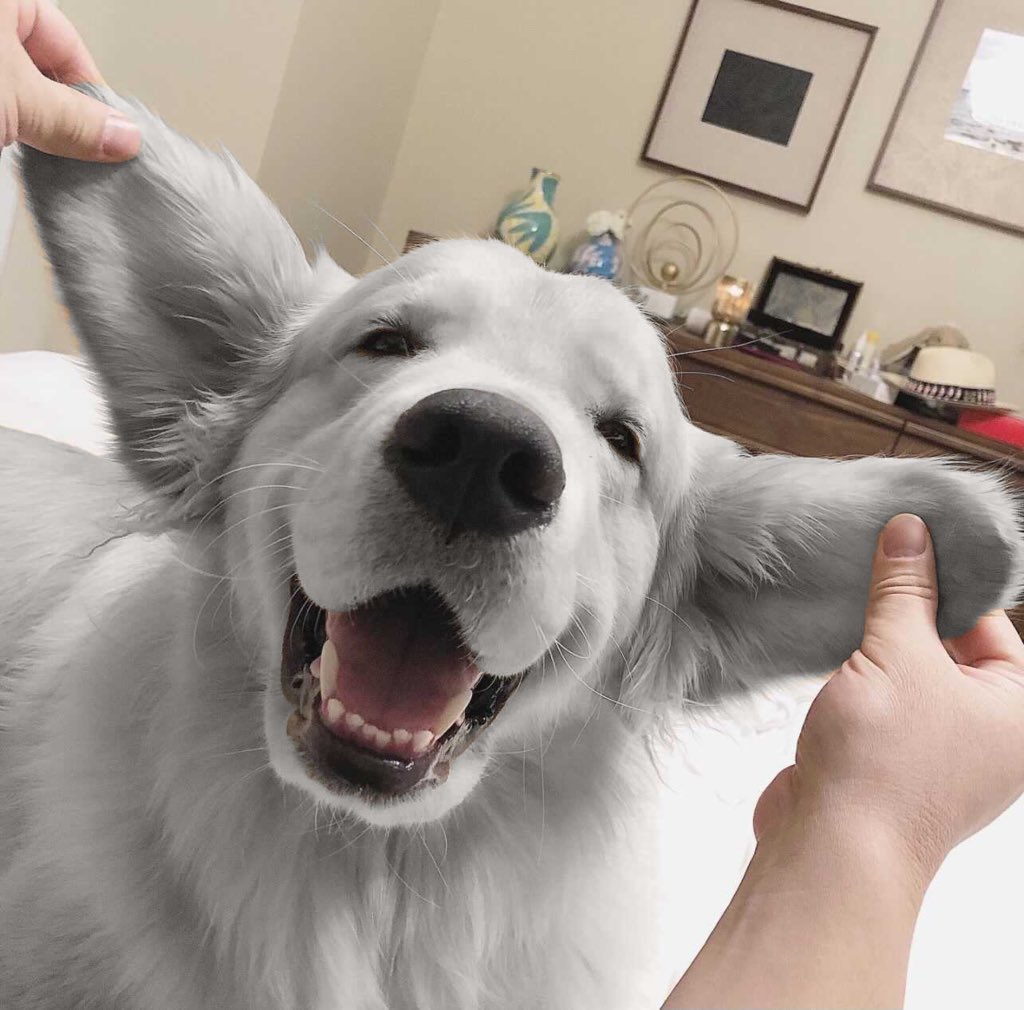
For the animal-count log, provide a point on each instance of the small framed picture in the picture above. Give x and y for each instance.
(810, 306)
(757, 95)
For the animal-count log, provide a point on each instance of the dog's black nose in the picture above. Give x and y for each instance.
(477, 461)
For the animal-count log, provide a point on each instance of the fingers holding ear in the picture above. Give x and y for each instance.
(58, 120)
(992, 640)
(904, 594)
(36, 67)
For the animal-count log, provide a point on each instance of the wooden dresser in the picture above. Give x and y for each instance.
(774, 408)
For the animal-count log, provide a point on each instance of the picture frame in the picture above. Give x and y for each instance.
(936, 152)
(800, 303)
(756, 97)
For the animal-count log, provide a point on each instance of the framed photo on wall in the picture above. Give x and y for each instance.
(757, 95)
(956, 141)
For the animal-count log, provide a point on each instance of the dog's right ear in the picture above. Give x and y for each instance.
(182, 280)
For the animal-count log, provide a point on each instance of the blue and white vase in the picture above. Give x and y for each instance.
(599, 256)
(529, 223)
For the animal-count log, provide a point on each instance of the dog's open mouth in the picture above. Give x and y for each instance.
(386, 695)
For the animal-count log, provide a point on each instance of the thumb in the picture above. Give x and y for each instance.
(58, 120)
(904, 592)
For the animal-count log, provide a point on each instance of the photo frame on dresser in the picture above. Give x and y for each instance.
(803, 304)
(756, 96)
(956, 140)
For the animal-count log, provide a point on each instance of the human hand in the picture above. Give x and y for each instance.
(39, 47)
(912, 739)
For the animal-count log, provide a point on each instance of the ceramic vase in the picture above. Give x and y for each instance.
(599, 256)
(529, 223)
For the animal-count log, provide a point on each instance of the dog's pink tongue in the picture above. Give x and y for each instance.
(401, 664)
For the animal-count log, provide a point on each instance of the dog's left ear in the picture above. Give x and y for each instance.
(182, 280)
(767, 567)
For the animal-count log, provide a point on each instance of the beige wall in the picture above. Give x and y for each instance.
(429, 114)
(571, 85)
(212, 68)
(340, 117)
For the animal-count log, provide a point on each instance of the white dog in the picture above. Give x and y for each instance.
(335, 694)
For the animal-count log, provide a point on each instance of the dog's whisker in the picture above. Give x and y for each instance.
(426, 846)
(380, 231)
(712, 375)
(686, 624)
(244, 750)
(262, 487)
(249, 518)
(627, 672)
(352, 841)
(705, 350)
(612, 701)
(345, 368)
(412, 890)
(359, 238)
(316, 468)
(617, 501)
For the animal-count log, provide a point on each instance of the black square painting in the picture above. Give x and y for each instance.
(757, 97)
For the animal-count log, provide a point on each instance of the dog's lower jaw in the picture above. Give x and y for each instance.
(431, 801)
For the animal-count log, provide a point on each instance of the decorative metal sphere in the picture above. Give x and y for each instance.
(681, 235)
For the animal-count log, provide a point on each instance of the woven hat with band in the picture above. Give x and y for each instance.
(952, 375)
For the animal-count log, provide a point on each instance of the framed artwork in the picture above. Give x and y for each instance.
(956, 141)
(811, 306)
(757, 95)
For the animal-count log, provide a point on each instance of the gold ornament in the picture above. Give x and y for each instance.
(669, 272)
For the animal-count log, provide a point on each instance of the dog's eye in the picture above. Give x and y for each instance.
(621, 436)
(389, 342)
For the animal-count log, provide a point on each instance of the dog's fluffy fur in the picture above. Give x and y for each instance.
(162, 846)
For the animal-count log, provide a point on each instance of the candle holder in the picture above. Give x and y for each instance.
(733, 296)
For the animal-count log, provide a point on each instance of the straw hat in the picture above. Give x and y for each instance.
(952, 375)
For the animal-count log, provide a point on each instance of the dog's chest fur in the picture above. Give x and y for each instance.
(152, 838)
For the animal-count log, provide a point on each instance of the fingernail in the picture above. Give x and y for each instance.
(906, 536)
(120, 137)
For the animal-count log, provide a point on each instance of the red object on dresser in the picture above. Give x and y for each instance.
(1002, 427)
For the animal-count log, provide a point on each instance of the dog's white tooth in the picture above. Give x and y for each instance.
(421, 740)
(368, 731)
(335, 710)
(314, 668)
(353, 720)
(455, 707)
(401, 736)
(328, 670)
(381, 739)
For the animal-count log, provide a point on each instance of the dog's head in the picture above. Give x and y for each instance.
(458, 500)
